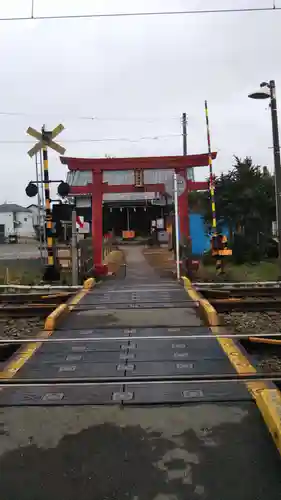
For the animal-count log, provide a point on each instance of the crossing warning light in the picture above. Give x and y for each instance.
(63, 189)
(31, 189)
(139, 180)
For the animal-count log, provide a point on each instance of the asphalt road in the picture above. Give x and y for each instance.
(197, 452)
(19, 251)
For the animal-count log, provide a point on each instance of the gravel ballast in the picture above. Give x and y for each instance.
(20, 328)
(267, 357)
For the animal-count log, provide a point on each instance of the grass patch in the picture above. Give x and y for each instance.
(260, 271)
(21, 271)
(114, 260)
(160, 259)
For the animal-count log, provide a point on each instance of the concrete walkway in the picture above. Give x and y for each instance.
(138, 270)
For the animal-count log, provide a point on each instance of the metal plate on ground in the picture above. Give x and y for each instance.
(142, 288)
(187, 393)
(182, 367)
(172, 331)
(137, 394)
(204, 349)
(86, 357)
(123, 292)
(47, 371)
(68, 332)
(201, 348)
(136, 305)
(127, 332)
(132, 300)
(60, 396)
(161, 354)
(137, 331)
(63, 347)
(139, 297)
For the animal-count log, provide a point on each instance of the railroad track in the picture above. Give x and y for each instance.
(246, 305)
(40, 306)
(26, 310)
(24, 305)
(27, 298)
(242, 291)
(242, 298)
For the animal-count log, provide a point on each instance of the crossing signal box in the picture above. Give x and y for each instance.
(139, 178)
(219, 245)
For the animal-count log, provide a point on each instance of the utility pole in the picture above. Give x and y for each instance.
(177, 225)
(184, 143)
(184, 133)
(268, 90)
(277, 164)
(74, 252)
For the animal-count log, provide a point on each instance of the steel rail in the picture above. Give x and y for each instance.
(134, 302)
(236, 284)
(240, 292)
(53, 340)
(26, 311)
(43, 309)
(40, 287)
(25, 299)
(87, 306)
(245, 305)
(144, 379)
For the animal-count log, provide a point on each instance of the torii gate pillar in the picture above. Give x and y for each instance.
(183, 207)
(97, 235)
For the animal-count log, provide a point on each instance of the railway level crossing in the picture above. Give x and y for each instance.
(135, 429)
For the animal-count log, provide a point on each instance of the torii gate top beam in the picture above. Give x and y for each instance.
(144, 163)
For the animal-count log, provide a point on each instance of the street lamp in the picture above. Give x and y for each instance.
(268, 90)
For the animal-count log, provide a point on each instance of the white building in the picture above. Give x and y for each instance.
(37, 220)
(15, 219)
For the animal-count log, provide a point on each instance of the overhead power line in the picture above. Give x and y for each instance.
(106, 139)
(145, 13)
(90, 118)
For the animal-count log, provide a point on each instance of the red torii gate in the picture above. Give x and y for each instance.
(97, 188)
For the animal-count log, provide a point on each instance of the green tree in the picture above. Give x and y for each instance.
(245, 198)
(245, 201)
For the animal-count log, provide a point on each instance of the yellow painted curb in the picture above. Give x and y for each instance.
(53, 319)
(62, 310)
(89, 283)
(22, 356)
(268, 400)
(269, 403)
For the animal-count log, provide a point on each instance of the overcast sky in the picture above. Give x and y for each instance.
(135, 76)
